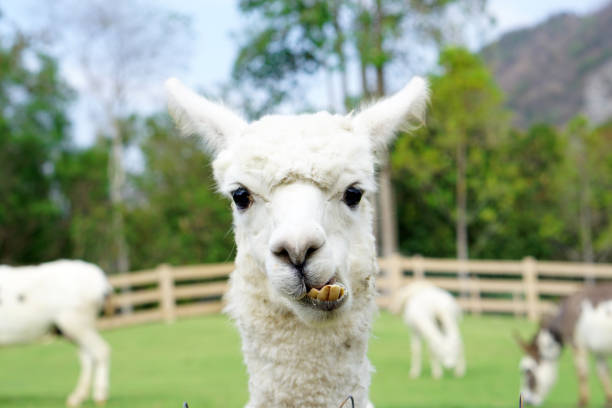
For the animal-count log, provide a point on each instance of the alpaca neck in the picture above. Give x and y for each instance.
(291, 363)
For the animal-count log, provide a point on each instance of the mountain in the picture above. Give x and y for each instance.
(557, 69)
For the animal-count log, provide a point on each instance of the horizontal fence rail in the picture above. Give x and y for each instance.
(166, 293)
(523, 288)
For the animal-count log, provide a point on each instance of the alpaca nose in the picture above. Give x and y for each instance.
(295, 247)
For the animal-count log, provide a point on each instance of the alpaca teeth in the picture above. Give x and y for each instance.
(323, 293)
(334, 293)
(313, 293)
(328, 293)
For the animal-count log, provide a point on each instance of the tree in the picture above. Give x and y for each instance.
(176, 217)
(81, 178)
(33, 128)
(465, 123)
(525, 218)
(118, 48)
(291, 39)
(587, 182)
(307, 37)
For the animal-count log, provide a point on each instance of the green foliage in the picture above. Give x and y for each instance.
(81, 176)
(291, 39)
(55, 197)
(526, 211)
(33, 129)
(466, 124)
(586, 195)
(177, 217)
(543, 192)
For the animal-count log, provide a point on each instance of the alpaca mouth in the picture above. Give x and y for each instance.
(327, 297)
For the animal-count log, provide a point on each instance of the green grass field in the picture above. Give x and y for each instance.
(198, 360)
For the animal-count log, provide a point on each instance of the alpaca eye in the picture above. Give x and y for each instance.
(242, 197)
(352, 196)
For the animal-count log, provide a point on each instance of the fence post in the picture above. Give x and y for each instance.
(516, 303)
(474, 286)
(418, 269)
(166, 287)
(531, 290)
(396, 273)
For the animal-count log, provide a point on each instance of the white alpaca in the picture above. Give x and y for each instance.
(302, 294)
(66, 295)
(432, 315)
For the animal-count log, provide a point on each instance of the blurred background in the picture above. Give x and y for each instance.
(515, 160)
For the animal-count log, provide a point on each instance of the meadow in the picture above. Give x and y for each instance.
(198, 360)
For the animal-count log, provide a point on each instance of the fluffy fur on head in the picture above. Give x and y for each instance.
(302, 187)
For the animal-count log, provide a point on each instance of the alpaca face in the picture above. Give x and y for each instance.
(450, 352)
(301, 189)
(539, 367)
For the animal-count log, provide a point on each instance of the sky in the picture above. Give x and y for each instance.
(215, 21)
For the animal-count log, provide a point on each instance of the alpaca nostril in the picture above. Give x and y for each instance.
(310, 251)
(296, 257)
(283, 254)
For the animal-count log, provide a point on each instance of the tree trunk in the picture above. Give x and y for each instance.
(388, 229)
(117, 179)
(329, 86)
(388, 222)
(339, 50)
(363, 71)
(378, 38)
(387, 217)
(584, 213)
(363, 49)
(462, 227)
(586, 233)
(380, 81)
(120, 256)
(461, 189)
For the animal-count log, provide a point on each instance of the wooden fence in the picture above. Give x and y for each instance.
(167, 292)
(523, 288)
(526, 287)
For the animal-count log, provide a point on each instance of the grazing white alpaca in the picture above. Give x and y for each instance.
(302, 294)
(432, 315)
(66, 295)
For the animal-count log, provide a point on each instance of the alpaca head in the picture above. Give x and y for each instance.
(539, 364)
(302, 191)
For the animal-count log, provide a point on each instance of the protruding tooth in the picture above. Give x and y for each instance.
(334, 293)
(313, 293)
(323, 293)
(341, 292)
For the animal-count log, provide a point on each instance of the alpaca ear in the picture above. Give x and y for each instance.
(195, 115)
(404, 110)
(519, 340)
